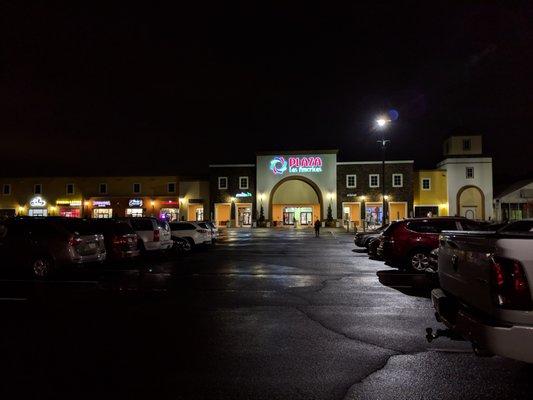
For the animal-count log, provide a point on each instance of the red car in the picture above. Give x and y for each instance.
(407, 244)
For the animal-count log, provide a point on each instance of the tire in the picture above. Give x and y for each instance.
(191, 242)
(419, 260)
(41, 267)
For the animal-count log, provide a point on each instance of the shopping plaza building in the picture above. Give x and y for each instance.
(292, 188)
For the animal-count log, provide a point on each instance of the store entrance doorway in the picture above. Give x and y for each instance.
(302, 215)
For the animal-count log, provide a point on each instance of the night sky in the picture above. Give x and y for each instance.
(125, 89)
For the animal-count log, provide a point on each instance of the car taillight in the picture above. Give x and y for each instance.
(156, 235)
(75, 241)
(119, 240)
(510, 284)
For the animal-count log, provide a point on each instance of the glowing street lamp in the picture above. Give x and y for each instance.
(382, 123)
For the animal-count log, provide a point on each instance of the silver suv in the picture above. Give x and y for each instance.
(154, 235)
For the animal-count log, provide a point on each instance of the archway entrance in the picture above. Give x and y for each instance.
(471, 202)
(295, 201)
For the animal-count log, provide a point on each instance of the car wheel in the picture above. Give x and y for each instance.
(41, 267)
(419, 260)
(191, 242)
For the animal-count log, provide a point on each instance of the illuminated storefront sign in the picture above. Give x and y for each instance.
(295, 165)
(37, 201)
(243, 194)
(102, 203)
(351, 195)
(278, 165)
(135, 203)
(170, 203)
(73, 203)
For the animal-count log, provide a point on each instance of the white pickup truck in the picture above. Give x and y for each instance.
(486, 292)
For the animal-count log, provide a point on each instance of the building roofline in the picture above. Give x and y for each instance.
(513, 187)
(465, 135)
(463, 160)
(230, 165)
(375, 162)
(295, 152)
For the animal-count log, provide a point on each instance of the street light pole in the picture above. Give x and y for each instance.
(382, 123)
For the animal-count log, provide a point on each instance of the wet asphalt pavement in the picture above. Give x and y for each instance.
(265, 314)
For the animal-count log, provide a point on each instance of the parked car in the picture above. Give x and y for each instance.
(41, 246)
(362, 239)
(486, 294)
(154, 235)
(121, 241)
(407, 244)
(211, 229)
(192, 232)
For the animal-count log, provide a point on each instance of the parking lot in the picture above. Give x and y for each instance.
(265, 314)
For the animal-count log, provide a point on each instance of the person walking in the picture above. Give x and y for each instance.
(317, 227)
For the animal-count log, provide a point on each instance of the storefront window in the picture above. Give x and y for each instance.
(169, 214)
(102, 213)
(374, 215)
(134, 212)
(38, 212)
(69, 212)
(199, 214)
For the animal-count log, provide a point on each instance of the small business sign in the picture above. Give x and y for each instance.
(169, 203)
(37, 201)
(101, 203)
(71, 203)
(243, 194)
(135, 203)
(351, 195)
(295, 165)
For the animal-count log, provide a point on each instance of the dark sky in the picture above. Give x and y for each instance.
(89, 89)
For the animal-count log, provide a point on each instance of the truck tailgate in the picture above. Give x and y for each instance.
(464, 267)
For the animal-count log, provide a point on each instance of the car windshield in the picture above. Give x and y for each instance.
(203, 225)
(518, 227)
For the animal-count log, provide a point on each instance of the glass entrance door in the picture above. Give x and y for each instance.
(306, 218)
(247, 218)
(288, 218)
